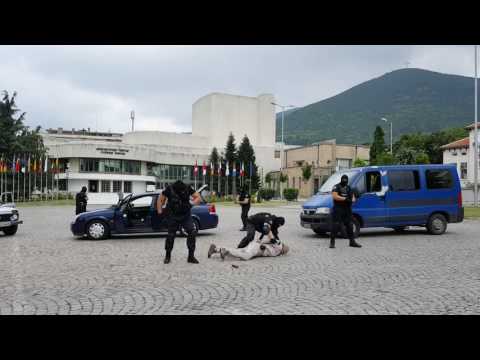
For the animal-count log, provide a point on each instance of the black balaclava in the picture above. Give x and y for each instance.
(179, 186)
(84, 189)
(344, 180)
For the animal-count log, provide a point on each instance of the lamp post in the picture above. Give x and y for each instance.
(132, 117)
(475, 141)
(283, 107)
(391, 135)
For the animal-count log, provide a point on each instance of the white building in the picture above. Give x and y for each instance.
(460, 153)
(110, 163)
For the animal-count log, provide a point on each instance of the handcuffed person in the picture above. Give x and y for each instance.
(269, 247)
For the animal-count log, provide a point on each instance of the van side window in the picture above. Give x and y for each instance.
(360, 185)
(439, 179)
(404, 180)
(373, 181)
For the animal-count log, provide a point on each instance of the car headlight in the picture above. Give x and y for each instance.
(323, 210)
(14, 217)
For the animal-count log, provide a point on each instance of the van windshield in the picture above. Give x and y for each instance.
(335, 179)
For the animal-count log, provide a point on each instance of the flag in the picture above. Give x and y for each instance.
(23, 164)
(204, 168)
(241, 170)
(17, 165)
(227, 169)
(57, 169)
(195, 169)
(251, 168)
(234, 172)
(212, 169)
(28, 164)
(1, 165)
(46, 164)
(220, 168)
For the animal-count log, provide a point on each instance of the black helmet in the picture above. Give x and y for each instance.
(279, 221)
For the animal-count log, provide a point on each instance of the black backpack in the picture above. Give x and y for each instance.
(178, 205)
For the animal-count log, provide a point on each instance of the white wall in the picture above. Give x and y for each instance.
(450, 158)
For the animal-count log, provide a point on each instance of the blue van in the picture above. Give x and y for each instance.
(392, 197)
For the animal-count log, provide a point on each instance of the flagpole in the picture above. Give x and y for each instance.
(24, 173)
(250, 183)
(29, 180)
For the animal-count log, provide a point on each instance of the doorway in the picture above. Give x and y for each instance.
(93, 186)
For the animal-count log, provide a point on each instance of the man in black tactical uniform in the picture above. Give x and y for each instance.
(263, 223)
(343, 197)
(244, 200)
(81, 200)
(179, 215)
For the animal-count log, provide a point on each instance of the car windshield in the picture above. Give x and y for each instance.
(335, 179)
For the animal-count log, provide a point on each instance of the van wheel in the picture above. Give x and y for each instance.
(97, 230)
(437, 224)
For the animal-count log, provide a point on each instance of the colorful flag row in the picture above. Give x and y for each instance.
(28, 164)
(241, 171)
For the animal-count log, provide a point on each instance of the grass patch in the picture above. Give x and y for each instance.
(472, 213)
(69, 202)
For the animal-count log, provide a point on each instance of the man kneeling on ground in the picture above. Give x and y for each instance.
(256, 248)
(257, 222)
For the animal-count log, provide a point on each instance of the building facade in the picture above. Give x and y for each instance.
(461, 154)
(325, 158)
(108, 163)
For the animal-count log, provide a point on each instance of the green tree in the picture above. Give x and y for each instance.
(231, 156)
(378, 145)
(306, 172)
(246, 155)
(268, 179)
(385, 159)
(422, 158)
(15, 137)
(359, 163)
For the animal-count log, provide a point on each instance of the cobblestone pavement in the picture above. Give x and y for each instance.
(45, 270)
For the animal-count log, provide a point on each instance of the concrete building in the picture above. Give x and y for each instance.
(460, 152)
(325, 158)
(108, 163)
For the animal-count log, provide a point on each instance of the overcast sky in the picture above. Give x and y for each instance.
(97, 86)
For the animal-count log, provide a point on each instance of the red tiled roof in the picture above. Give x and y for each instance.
(463, 143)
(472, 125)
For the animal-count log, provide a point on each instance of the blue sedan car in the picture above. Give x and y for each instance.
(136, 214)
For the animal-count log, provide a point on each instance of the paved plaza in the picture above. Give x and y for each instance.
(45, 270)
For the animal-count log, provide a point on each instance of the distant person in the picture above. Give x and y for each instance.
(81, 200)
(179, 216)
(244, 200)
(259, 222)
(270, 247)
(343, 197)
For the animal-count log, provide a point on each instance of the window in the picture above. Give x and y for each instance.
(62, 184)
(403, 180)
(127, 186)
(144, 201)
(106, 186)
(110, 166)
(117, 186)
(373, 181)
(277, 154)
(343, 164)
(439, 179)
(463, 170)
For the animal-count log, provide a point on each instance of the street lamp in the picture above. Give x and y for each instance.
(475, 141)
(283, 107)
(391, 132)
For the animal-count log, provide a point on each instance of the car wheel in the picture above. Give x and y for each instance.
(437, 224)
(97, 230)
(196, 227)
(12, 230)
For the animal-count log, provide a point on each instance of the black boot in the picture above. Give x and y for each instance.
(332, 243)
(191, 258)
(353, 243)
(167, 258)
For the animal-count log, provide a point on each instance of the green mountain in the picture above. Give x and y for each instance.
(415, 100)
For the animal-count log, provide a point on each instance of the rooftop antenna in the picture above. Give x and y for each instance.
(132, 116)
